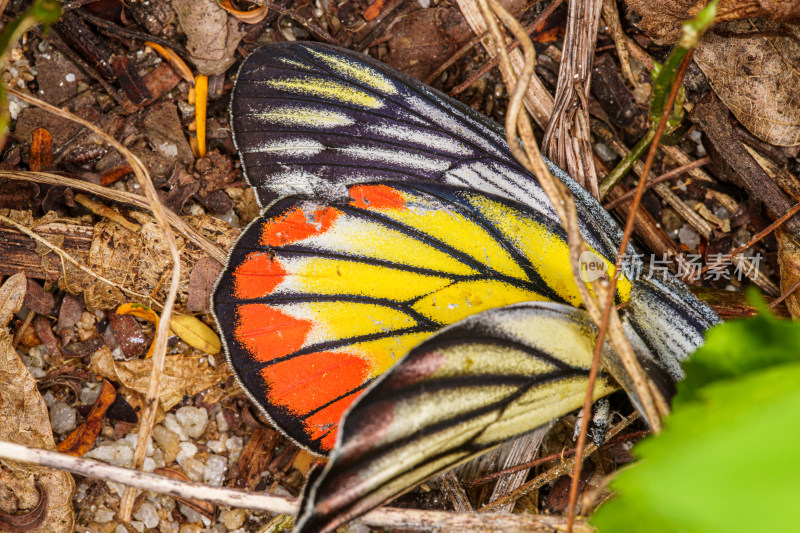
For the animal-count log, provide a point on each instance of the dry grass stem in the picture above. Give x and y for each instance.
(567, 139)
(611, 18)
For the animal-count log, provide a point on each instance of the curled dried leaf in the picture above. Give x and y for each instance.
(83, 437)
(254, 16)
(12, 294)
(174, 61)
(138, 310)
(22, 523)
(196, 334)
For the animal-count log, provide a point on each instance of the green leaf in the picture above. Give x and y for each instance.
(727, 459)
(739, 347)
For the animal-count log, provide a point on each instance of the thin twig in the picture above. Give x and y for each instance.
(317, 30)
(637, 199)
(672, 174)
(385, 517)
(552, 457)
(782, 297)
(757, 237)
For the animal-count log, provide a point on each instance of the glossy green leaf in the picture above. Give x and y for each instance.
(727, 459)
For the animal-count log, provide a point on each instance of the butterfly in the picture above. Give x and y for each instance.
(406, 291)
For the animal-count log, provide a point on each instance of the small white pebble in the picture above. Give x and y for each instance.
(190, 514)
(222, 423)
(232, 518)
(70, 77)
(103, 515)
(121, 529)
(188, 450)
(148, 514)
(49, 398)
(90, 392)
(217, 446)
(172, 424)
(193, 468)
(138, 526)
(168, 441)
(193, 420)
(117, 454)
(63, 417)
(214, 472)
(149, 464)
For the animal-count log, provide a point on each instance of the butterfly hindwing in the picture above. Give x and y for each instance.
(473, 385)
(322, 297)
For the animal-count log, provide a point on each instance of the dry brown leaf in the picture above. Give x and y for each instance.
(789, 261)
(212, 37)
(24, 420)
(254, 16)
(662, 19)
(757, 76)
(83, 437)
(183, 374)
(12, 294)
(201, 283)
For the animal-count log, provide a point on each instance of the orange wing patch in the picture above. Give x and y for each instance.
(376, 197)
(297, 225)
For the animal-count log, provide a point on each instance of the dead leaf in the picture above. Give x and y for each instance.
(37, 299)
(83, 437)
(789, 261)
(212, 37)
(128, 334)
(24, 420)
(662, 19)
(757, 76)
(162, 125)
(195, 333)
(727, 154)
(183, 374)
(12, 294)
(201, 283)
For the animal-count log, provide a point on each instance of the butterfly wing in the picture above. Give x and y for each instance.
(321, 298)
(311, 119)
(470, 387)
